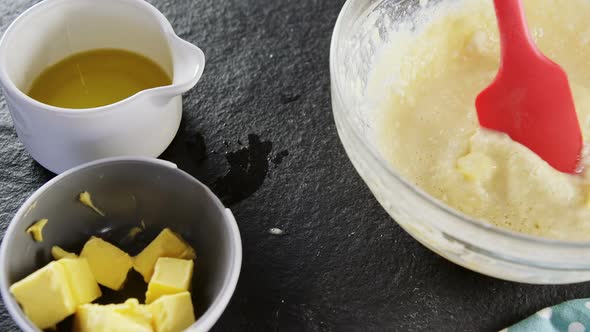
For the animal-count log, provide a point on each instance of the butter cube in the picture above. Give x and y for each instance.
(166, 244)
(129, 316)
(81, 280)
(171, 276)
(45, 295)
(133, 309)
(108, 263)
(59, 253)
(188, 253)
(172, 313)
(476, 166)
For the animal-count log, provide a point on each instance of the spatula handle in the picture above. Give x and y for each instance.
(515, 40)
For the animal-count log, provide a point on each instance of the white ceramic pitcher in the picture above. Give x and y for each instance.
(141, 125)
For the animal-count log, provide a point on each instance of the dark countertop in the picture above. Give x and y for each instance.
(343, 264)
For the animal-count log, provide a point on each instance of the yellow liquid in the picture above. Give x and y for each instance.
(97, 78)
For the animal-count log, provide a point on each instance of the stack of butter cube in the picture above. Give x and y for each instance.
(69, 285)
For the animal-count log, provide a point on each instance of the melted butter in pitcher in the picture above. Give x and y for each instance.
(97, 78)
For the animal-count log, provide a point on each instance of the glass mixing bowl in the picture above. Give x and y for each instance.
(362, 26)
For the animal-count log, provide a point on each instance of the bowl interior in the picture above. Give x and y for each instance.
(128, 192)
(364, 28)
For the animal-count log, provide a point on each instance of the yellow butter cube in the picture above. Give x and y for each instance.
(108, 263)
(45, 295)
(129, 316)
(171, 276)
(133, 309)
(81, 280)
(188, 253)
(166, 244)
(59, 253)
(172, 313)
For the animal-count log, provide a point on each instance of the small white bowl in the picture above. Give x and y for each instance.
(128, 190)
(141, 125)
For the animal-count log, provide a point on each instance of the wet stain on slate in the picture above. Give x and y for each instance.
(287, 98)
(196, 147)
(248, 163)
(278, 158)
(188, 151)
(248, 169)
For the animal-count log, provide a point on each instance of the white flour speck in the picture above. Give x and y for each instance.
(276, 231)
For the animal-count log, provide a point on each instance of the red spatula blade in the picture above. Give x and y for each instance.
(530, 99)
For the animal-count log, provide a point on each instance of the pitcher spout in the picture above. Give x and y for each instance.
(188, 65)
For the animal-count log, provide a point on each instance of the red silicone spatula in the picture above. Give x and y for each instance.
(530, 99)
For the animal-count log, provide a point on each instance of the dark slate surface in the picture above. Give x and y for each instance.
(342, 265)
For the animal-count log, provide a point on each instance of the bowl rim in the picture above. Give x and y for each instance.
(221, 300)
(337, 90)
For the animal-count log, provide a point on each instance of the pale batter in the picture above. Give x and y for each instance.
(423, 86)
